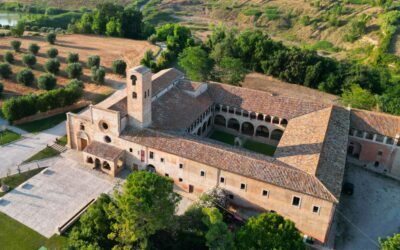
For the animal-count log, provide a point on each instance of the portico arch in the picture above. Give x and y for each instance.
(151, 168)
(82, 140)
(247, 128)
(276, 134)
(220, 120)
(234, 124)
(262, 131)
(203, 130)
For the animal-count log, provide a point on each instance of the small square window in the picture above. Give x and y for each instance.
(151, 155)
(202, 173)
(242, 186)
(222, 179)
(231, 196)
(130, 150)
(180, 165)
(180, 179)
(380, 153)
(167, 175)
(296, 201)
(162, 159)
(316, 209)
(265, 193)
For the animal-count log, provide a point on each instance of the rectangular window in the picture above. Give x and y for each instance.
(265, 193)
(151, 155)
(202, 173)
(380, 153)
(316, 209)
(162, 159)
(180, 165)
(296, 201)
(222, 179)
(130, 150)
(243, 186)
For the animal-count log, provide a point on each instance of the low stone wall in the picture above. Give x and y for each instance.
(52, 112)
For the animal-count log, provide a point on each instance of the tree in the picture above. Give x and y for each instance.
(269, 231)
(148, 59)
(26, 77)
(51, 37)
(231, 70)
(34, 48)
(74, 70)
(5, 70)
(1, 88)
(52, 66)
(196, 63)
(93, 227)
(146, 205)
(16, 45)
(218, 236)
(73, 58)
(52, 53)
(93, 61)
(131, 23)
(47, 82)
(113, 27)
(19, 29)
(358, 98)
(119, 67)
(390, 243)
(9, 57)
(29, 60)
(98, 75)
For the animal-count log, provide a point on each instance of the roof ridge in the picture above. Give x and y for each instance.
(375, 112)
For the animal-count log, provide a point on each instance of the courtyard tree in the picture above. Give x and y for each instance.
(98, 74)
(5, 70)
(390, 243)
(16, 45)
(34, 48)
(218, 236)
(146, 205)
(196, 63)
(9, 57)
(269, 231)
(73, 58)
(47, 81)
(93, 61)
(119, 67)
(358, 97)
(26, 77)
(52, 66)
(51, 37)
(29, 60)
(52, 53)
(74, 70)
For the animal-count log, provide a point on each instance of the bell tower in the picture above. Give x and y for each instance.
(138, 87)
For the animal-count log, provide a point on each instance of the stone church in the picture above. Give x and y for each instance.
(162, 123)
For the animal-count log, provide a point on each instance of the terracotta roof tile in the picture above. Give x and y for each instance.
(374, 122)
(162, 79)
(104, 151)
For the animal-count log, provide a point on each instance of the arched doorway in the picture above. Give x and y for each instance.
(284, 122)
(276, 134)
(220, 120)
(97, 163)
(89, 160)
(354, 149)
(83, 140)
(106, 165)
(247, 128)
(262, 131)
(234, 124)
(151, 168)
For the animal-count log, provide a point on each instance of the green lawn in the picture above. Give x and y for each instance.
(45, 153)
(254, 146)
(62, 141)
(46, 123)
(8, 136)
(14, 181)
(16, 236)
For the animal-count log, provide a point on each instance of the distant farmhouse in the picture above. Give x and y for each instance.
(162, 123)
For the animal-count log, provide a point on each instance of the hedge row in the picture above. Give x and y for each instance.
(23, 106)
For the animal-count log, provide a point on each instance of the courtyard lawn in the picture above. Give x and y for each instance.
(223, 137)
(8, 136)
(14, 235)
(14, 181)
(62, 140)
(45, 153)
(261, 148)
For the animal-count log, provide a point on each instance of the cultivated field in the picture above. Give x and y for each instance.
(109, 49)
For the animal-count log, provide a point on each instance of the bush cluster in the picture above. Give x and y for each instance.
(5, 70)
(52, 53)
(9, 57)
(26, 77)
(98, 75)
(119, 67)
(73, 58)
(47, 81)
(29, 60)
(74, 70)
(22, 106)
(93, 61)
(34, 48)
(51, 38)
(16, 45)
(52, 66)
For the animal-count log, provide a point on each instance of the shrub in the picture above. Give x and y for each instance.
(119, 67)
(76, 82)
(1, 88)
(51, 38)
(98, 75)
(52, 66)
(73, 58)
(74, 70)
(5, 70)
(9, 57)
(29, 60)
(34, 48)
(52, 52)
(93, 61)
(47, 82)
(26, 77)
(16, 45)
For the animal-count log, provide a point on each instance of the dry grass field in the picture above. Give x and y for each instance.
(109, 49)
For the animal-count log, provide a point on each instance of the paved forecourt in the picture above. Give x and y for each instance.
(50, 198)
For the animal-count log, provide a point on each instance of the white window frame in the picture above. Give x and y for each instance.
(319, 209)
(298, 206)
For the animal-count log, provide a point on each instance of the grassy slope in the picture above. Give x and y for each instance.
(45, 153)
(8, 136)
(14, 181)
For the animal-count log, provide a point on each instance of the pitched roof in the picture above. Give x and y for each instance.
(261, 102)
(104, 151)
(375, 122)
(265, 169)
(164, 78)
